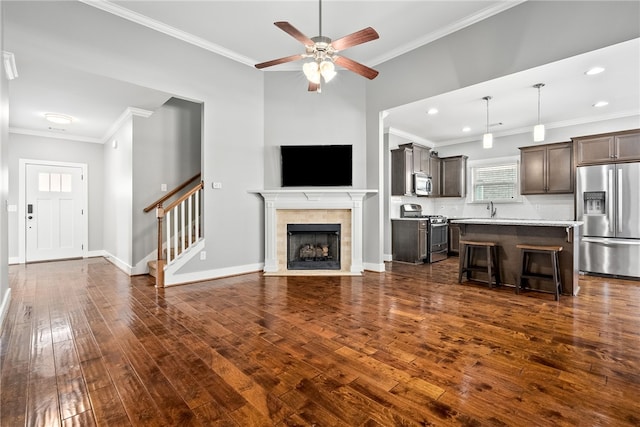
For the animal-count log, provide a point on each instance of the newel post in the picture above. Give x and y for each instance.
(160, 257)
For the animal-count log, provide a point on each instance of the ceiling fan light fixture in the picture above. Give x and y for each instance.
(311, 71)
(487, 138)
(60, 119)
(328, 70)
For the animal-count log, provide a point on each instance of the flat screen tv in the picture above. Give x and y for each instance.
(316, 165)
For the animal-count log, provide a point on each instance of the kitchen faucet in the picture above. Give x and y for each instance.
(491, 209)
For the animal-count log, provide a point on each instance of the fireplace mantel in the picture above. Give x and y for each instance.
(309, 199)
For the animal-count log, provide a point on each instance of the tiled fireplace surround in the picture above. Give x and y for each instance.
(330, 206)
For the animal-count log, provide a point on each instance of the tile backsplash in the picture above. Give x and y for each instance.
(552, 207)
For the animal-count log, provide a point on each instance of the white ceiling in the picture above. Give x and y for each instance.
(244, 31)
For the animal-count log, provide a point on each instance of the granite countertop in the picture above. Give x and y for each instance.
(510, 221)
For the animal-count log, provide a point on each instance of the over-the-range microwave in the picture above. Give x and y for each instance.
(422, 184)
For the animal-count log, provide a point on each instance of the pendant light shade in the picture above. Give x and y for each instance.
(538, 130)
(487, 138)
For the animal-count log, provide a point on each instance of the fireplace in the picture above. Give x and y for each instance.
(313, 246)
(313, 206)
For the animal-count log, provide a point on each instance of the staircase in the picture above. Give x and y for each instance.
(179, 227)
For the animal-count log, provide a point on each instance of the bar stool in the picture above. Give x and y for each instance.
(526, 251)
(492, 268)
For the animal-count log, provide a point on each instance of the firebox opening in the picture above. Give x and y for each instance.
(313, 246)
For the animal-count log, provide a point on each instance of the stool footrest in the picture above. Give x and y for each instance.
(537, 276)
(526, 251)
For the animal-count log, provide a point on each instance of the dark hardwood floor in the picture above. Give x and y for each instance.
(84, 344)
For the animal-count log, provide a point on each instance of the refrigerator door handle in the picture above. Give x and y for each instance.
(619, 200)
(610, 217)
(611, 242)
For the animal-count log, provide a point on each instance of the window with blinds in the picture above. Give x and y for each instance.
(495, 183)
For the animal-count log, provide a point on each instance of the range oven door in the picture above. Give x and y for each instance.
(438, 241)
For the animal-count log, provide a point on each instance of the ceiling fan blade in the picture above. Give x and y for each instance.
(313, 87)
(294, 32)
(279, 61)
(356, 38)
(356, 67)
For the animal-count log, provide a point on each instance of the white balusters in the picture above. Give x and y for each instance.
(182, 225)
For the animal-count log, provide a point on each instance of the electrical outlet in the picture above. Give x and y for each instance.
(217, 185)
(163, 187)
(203, 255)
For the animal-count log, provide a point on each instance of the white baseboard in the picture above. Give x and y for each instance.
(118, 263)
(200, 276)
(6, 299)
(387, 257)
(378, 268)
(89, 254)
(95, 254)
(142, 267)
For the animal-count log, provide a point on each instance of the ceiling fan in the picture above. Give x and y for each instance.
(324, 53)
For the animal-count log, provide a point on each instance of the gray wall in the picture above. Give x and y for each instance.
(523, 37)
(295, 116)
(232, 95)
(60, 150)
(166, 150)
(4, 180)
(118, 194)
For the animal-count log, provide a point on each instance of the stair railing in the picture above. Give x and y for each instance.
(182, 225)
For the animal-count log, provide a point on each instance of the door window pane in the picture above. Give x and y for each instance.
(55, 182)
(65, 185)
(43, 181)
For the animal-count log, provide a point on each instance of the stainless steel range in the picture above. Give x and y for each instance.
(417, 237)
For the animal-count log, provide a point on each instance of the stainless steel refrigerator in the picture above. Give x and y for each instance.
(608, 201)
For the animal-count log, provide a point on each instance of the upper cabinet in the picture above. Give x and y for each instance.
(402, 172)
(546, 169)
(607, 148)
(412, 158)
(421, 159)
(453, 176)
(434, 172)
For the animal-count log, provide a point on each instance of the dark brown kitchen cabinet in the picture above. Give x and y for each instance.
(412, 158)
(453, 173)
(607, 148)
(546, 169)
(454, 239)
(434, 172)
(421, 159)
(402, 172)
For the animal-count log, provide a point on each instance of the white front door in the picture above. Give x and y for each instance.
(54, 197)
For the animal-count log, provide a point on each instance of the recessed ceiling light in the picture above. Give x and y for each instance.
(600, 104)
(60, 119)
(593, 71)
(432, 111)
(466, 129)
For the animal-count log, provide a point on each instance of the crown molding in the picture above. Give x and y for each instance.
(554, 125)
(409, 136)
(55, 135)
(445, 31)
(138, 18)
(128, 113)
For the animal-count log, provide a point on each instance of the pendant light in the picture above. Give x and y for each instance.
(487, 138)
(538, 130)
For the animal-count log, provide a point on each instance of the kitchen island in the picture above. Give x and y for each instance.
(508, 233)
